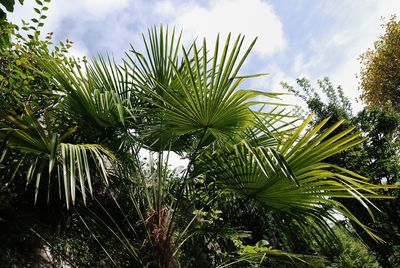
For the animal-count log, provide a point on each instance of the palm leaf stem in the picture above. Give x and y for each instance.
(183, 185)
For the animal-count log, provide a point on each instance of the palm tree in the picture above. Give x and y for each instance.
(187, 102)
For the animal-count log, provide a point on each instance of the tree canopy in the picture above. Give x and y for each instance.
(380, 74)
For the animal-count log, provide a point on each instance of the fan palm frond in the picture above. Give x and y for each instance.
(98, 94)
(46, 149)
(292, 177)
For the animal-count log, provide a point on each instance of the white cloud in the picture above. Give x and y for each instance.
(352, 28)
(93, 25)
(80, 10)
(98, 8)
(253, 18)
(299, 65)
(111, 25)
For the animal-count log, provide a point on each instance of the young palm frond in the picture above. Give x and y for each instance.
(155, 67)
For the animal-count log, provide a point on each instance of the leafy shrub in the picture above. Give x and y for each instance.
(354, 254)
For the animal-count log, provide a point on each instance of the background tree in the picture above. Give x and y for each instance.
(380, 74)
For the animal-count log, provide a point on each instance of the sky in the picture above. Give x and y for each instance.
(302, 38)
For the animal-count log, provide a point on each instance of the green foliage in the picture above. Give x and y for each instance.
(5, 27)
(9, 6)
(72, 133)
(274, 164)
(33, 126)
(377, 159)
(353, 254)
(379, 75)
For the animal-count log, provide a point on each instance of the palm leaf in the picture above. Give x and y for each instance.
(191, 92)
(74, 159)
(45, 148)
(292, 178)
(98, 95)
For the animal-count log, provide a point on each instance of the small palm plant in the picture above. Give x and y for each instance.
(238, 143)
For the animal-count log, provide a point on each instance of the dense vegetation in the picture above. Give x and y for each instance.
(376, 158)
(86, 178)
(380, 80)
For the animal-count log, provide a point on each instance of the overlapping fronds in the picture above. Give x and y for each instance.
(98, 94)
(292, 176)
(195, 92)
(49, 159)
(187, 101)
